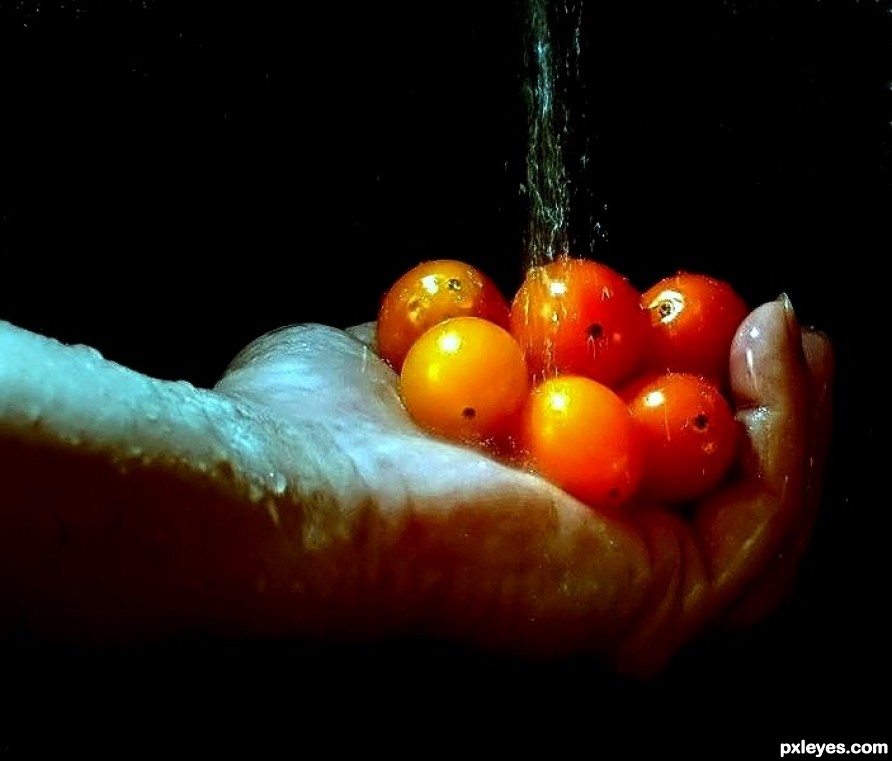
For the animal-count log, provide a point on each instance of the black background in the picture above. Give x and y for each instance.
(180, 177)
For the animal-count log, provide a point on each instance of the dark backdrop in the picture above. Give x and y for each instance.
(179, 177)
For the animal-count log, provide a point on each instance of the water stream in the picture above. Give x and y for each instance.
(551, 60)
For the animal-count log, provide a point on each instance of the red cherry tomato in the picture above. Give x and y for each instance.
(429, 293)
(465, 378)
(577, 316)
(693, 320)
(580, 435)
(689, 434)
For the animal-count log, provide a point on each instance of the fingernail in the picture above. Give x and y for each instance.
(794, 330)
(789, 313)
(784, 299)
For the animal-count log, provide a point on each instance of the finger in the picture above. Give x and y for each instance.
(742, 528)
(312, 373)
(733, 535)
(777, 582)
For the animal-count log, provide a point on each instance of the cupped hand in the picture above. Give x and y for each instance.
(297, 499)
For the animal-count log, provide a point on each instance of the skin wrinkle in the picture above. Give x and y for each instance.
(520, 583)
(616, 609)
(397, 580)
(319, 512)
(369, 537)
(679, 605)
(650, 616)
(418, 579)
(342, 574)
(509, 618)
(696, 584)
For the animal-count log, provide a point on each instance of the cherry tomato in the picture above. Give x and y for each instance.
(429, 293)
(580, 317)
(693, 320)
(579, 434)
(465, 378)
(690, 436)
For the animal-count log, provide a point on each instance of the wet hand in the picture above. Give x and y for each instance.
(298, 499)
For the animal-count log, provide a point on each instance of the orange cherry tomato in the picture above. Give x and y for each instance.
(579, 317)
(429, 293)
(689, 434)
(693, 320)
(580, 435)
(465, 378)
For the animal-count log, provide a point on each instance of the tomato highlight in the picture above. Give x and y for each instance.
(693, 319)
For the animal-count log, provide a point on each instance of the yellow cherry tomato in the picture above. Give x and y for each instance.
(465, 378)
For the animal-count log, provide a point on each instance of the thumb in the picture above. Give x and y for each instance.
(311, 373)
(770, 380)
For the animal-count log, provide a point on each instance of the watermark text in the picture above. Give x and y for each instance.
(817, 750)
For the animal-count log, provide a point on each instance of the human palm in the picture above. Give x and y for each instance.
(298, 499)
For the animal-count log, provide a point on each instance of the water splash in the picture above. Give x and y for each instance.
(551, 60)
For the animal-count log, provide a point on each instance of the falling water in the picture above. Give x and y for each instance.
(551, 60)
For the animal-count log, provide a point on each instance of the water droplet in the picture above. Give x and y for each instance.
(279, 482)
(92, 354)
